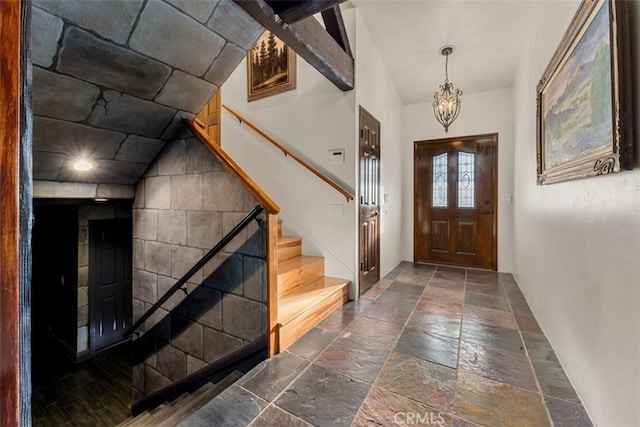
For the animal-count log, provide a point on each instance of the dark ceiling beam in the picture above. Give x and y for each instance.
(296, 10)
(334, 24)
(309, 40)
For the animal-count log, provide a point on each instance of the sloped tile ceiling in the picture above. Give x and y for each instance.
(113, 79)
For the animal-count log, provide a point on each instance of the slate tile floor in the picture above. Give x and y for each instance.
(427, 345)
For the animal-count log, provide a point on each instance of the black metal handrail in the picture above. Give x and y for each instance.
(242, 360)
(205, 259)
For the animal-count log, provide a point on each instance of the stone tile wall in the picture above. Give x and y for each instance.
(184, 205)
(113, 78)
(70, 190)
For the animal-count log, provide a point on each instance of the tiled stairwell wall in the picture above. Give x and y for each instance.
(184, 205)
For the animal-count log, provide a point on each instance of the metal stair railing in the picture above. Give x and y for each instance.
(189, 274)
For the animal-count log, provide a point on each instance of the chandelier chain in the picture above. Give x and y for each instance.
(446, 67)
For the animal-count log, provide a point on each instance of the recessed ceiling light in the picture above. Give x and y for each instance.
(83, 165)
(101, 200)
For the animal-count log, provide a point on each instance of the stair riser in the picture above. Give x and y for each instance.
(291, 250)
(299, 276)
(301, 324)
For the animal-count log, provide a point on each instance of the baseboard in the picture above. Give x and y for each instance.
(82, 356)
(70, 352)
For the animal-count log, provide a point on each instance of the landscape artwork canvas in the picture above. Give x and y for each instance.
(584, 121)
(271, 67)
(577, 105)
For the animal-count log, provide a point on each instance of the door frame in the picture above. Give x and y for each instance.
(363, 112)
(16, 185)
(494, 190)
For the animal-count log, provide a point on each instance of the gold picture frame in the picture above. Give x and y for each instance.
(584, 120)
(271, 67)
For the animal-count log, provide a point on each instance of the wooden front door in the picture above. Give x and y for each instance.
(454, 205)
(110, 271)
(369, 185)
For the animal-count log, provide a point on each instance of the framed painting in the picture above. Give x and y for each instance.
(271, 67)
(584, 125)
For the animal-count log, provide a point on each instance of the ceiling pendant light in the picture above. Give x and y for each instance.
(446, 101)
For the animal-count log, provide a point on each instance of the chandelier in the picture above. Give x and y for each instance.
(446, 101)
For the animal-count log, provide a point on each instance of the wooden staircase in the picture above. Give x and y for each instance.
(305, 294)
(170, 414)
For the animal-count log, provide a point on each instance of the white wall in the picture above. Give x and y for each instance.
(480, 113)
(376, 93)
(577, 248)
(313, 119)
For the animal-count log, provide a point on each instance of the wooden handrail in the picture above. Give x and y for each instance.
(248, 183)
(286, 152)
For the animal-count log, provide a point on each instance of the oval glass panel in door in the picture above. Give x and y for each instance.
(466, 180)
(439, 181)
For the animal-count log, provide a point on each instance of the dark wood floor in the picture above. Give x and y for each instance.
(96, 392)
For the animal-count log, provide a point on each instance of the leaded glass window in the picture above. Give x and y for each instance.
(466, 180)
(439, 182)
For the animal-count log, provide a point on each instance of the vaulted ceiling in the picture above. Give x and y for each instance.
(487, 34)
(112, 79)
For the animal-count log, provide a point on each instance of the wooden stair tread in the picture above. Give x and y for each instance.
(288, 248)
(305, 297)
(286, 266)
(181, 403)
(288, 241)
(138, 420)
(151, 417)
(161, 412)
(298, 271)
(201, 397)
(128, 422)
(171, 413)
(296, 267)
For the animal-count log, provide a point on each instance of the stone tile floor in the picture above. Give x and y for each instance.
(427, 345)
(96, 392)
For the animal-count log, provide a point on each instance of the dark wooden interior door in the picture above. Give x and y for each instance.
(455, 193)
(369, 185)
(110, 272)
